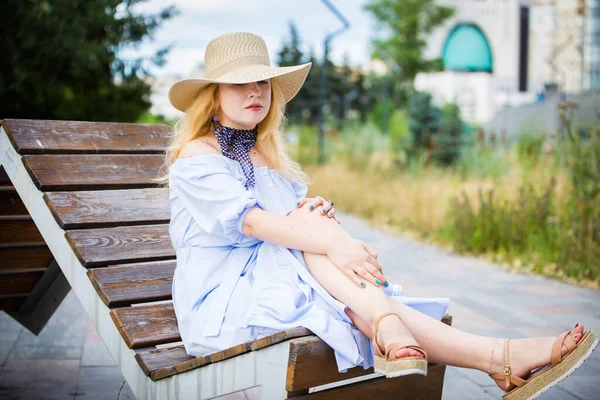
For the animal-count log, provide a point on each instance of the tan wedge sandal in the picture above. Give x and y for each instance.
(542, 379)
(391, 366)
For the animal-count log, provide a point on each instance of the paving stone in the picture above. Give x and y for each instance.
(102, 383)
(62, 337)
(7, 324)
(95, 353)
(456, 386)
(7, 341)
(39, 379)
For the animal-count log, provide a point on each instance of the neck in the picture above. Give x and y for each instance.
(233, 125)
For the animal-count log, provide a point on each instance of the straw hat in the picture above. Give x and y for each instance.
(238, 58)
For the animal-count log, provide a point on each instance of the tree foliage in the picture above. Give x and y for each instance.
(403, 27)
(340, 81)
(61, 59)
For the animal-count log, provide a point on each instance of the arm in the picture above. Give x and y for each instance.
(301, 229)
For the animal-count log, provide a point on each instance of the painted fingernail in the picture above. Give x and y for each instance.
(298, 203)
(362, 284)
(312, 208)
(324, 211)
(378, 282)
(576, 325)
(386, 284)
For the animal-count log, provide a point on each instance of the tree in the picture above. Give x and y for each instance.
(61, 59)
(403, 26)
(424, 120)
(290, 54)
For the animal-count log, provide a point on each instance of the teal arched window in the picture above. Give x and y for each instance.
(467, 49)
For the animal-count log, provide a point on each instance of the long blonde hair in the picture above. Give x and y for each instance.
(197, 122)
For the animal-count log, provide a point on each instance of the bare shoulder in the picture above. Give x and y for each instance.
(199, 146)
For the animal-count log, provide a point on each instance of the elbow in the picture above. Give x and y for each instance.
(250, 222)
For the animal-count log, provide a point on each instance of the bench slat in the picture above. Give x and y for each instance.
(76, 210)
(91, 172)
(25, 257)
(10, 202)
(128, 244)
(122, 285)
(19, 281)
(12, 302)
(4, 179)
(312, 363)
(37, 136)
(146, 325)
(161, 363)
(18, 231)
(401, 388)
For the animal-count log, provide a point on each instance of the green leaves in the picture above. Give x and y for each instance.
(63, 59)
(403, 26)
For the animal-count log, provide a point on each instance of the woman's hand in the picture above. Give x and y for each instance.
(358, 262)
(314, 202)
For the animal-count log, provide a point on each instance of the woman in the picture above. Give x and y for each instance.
(255, 257)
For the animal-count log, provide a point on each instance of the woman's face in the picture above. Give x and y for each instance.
(244, 105)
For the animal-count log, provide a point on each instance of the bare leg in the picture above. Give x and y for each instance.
(443, 344)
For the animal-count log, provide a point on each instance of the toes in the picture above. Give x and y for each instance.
(408, 353)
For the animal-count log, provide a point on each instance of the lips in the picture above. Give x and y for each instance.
(254, 107)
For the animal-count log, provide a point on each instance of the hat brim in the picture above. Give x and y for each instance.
(290, 79)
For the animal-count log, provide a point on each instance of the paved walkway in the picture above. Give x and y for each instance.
(69, 361)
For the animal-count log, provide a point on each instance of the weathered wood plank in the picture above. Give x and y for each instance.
(415, 387)
(122, 285)
(25, 257)
(10, 203)
(18, 231)
(161, 363)
(312, 363)
(4, 179)
(128, 244)
(146, 325)
(109, 207)
(91, 172)
(45, 136)
(19, 281)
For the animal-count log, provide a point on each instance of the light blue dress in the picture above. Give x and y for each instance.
(229, 288)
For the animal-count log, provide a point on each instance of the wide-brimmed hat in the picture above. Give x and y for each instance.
(238, 57)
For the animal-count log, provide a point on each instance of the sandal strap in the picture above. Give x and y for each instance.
(507, 373)
(375, 328)
(396, 347)
(515, 380)
(562, 339)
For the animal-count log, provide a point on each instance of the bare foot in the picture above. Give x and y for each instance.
(526, 355)
(392, 330)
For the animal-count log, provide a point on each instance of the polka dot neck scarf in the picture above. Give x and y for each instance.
(235, 144)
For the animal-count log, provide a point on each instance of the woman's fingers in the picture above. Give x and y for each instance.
(301, 202)
(370, 250)
(355, 278)
(374, 271)
(368, 276)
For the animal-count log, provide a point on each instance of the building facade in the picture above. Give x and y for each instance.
(502, 53)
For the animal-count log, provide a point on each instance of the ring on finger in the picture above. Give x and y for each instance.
(331, 202)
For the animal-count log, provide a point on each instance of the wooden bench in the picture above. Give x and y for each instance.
(86, 199)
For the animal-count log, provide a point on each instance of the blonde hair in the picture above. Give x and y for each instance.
(197, 122)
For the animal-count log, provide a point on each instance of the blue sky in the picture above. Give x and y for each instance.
(201, 20)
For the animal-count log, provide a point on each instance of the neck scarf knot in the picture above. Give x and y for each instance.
(235, 144)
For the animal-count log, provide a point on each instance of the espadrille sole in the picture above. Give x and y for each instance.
(550, 377)
(401, 367)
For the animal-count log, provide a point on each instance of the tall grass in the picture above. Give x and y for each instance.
(534, 205)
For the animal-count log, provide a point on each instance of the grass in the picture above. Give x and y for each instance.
(514, 205)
